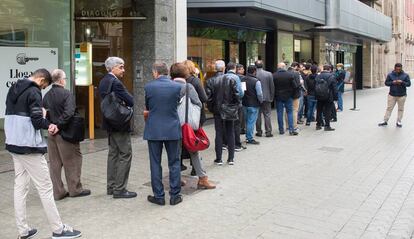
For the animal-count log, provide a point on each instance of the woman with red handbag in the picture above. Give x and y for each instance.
(189, 114)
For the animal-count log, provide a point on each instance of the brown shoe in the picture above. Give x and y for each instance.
(203, 183)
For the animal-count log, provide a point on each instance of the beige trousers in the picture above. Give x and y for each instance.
(392, 100)
(33, 167)
(67, 155)
(295, 107)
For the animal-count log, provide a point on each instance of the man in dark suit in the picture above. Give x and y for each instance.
(162, 128)
(119, 139)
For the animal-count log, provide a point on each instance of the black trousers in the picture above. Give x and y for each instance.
(224, 129)
(323, 112)
(333, 110)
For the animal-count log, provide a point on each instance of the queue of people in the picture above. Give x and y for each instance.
(236, 100)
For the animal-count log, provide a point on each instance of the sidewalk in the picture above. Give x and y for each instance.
(355, 182)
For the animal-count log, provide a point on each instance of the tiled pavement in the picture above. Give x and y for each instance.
(356, 182)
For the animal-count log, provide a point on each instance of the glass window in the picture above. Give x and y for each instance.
(285, 47)
(35, 24)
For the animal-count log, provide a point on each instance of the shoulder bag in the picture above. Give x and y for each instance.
(193, 140)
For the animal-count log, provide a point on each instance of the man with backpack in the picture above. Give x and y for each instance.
(326, 94)
(119, 138)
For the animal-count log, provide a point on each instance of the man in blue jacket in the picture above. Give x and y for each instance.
(398, 81)
(162, 128)
(119, 139)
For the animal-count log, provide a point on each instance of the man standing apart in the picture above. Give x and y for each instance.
(340, 84)
(119, 138)
(222, 91)
(398, 81)
(326, 94)
(285, 86)
(162, 128)
(268, 88)
(22, 124)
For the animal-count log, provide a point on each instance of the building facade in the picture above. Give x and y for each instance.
(331, 31)
(139, 31)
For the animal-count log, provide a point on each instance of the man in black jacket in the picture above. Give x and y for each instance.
(120, 151)
(60, 104)
(24, 119)
(325, 80)
(285, 87)
(398, 81)
(222, 91)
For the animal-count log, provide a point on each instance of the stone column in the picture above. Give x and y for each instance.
(319, 49)
(366, 65)
(153, 40)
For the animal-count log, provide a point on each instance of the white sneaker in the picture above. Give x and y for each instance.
(399, 125)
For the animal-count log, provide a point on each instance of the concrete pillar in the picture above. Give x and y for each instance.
(366, 65)
(319, 49)
(154, 40)
(181, 30)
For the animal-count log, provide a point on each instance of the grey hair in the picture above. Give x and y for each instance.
(113, 61)
(160, 67)
(57, 75)
(220, 65)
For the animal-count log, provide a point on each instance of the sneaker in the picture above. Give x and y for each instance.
(383, 123)
(67, 233)
(243, 147)
(307, 123)
(238, 148)
(218, 162)
(224, 147)
(252, 142)
(281, 132)
(318, 127)
(32, 233)
(230, 162)
(259, 134)
(329, 128)
(193, 172)
(293, 133)
(399, 125)
(269, 135)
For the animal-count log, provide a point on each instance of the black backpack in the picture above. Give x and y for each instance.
(114, 110)
(322, 91)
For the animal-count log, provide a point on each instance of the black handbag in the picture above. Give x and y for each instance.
(114, 111)
(74, 132)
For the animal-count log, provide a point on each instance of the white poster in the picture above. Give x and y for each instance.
(18, 62)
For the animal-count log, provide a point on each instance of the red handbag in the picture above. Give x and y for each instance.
(193, 141)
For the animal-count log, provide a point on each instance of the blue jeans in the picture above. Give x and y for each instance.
(301, 105)
(311, 108)
(340, 101)
(251, 117)
(281, 105)
(155, 151)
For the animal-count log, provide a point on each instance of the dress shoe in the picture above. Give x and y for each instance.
(85, 192)
(259, 134)
(176, 200)
(281, 132)
(318, 127)
(243, 131)
(125, 194)
(193, 172)
(269, 135)
(62, 197)
(329, 128)
(158, 201)
(293, 133)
